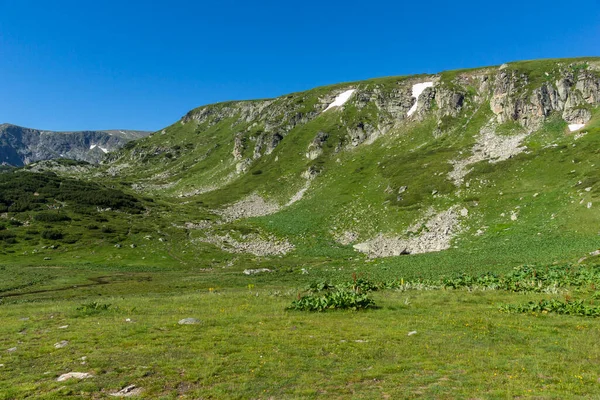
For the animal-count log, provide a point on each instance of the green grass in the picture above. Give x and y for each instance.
(248, 346)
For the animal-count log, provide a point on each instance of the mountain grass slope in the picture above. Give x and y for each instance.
(228, 214)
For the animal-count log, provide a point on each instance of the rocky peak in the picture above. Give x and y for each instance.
(21, 146)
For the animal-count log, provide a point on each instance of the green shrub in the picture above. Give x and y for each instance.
(51, 217)
(107, 229)
(93, 307)
(5, 235)
(568, 307)
(337, 299)
(50, 234)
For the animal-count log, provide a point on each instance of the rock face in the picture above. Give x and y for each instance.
(21, 146)
(514, 99)
(435, 235)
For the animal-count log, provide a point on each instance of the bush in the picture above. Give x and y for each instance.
(572, 307)
(338, 299)
(93, 308)
(323, 296)
(51, 217)
(4, 235)
(52, 234)
(107, 229)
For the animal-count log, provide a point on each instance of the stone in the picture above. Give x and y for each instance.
(256, 271)
(128, 391)
(74, 375)
(189, 321)
(412, 333)
(61, 344)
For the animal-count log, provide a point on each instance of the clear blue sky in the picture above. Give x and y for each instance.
(103, 64)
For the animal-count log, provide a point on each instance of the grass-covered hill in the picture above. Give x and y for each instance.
(461, 209)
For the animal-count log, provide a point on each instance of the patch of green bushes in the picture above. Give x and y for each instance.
(51, 234)
(93, 307)
(51, 217)
(322, 296)
(567, 307)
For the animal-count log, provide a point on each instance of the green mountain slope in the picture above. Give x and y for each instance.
(485, 169)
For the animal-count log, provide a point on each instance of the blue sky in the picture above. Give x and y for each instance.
(129, 64)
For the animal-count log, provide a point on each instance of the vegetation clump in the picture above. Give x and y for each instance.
(93, 307)
(568, 307)
(322, 296)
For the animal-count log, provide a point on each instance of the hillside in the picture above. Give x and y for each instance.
(443, 228)
(472, 162)
(498, 157)
(21, 146)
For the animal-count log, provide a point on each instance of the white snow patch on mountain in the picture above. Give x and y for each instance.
(575, 127)
(340, 99)
(417, 89)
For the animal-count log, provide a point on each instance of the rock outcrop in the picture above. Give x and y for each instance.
(21, 146)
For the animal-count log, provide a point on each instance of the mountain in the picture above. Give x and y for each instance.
(486, 168)
(21, 146)
(461, 209)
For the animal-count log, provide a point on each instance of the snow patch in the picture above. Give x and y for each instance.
(103, 149)
(341, 99)
(417, 89)
(92, 147)
(575, 127)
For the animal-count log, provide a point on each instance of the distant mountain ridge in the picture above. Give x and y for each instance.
(21, 146)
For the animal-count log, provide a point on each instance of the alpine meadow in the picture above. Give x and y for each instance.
(423, 236)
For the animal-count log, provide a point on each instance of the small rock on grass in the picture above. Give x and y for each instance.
(74, 375)
(189, 321)
(12, 350)
(256, 271)
(128, 391)
(412, 333)
(63, 327)
(61, 344)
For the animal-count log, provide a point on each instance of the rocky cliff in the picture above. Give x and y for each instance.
(21, 146)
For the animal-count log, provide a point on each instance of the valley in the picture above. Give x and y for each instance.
(445, 227)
